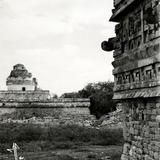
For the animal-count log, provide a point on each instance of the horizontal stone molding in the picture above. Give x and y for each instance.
(55, 103)
(13, 91)
(138, 93)
(120, 9)
(21, 96)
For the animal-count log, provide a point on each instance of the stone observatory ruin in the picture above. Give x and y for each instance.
(136, 52)
(20, 79)
(21, 87)
(24, 101)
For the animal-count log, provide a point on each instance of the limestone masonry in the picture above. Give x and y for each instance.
(137, 75)
(20, 79)
(24, 100)
(22, 87)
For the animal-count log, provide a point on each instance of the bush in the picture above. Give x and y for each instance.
(71, 133)
(4, 147)
(20, 132)
(86, 135)
(57, 137)
(100, 94)
(29, 133)
(64, 145)
(109, 137)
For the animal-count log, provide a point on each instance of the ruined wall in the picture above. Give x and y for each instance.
(51, 103)
(20, 79)
(55, 112)
(20, 87)
(54, 116)
(137, 75)
(21, 96)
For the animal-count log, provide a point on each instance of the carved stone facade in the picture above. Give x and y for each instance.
(137, 75)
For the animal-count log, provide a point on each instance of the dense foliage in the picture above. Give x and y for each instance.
(56, 136)
(100, 95)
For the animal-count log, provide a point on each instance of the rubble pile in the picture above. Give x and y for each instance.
(113, 119)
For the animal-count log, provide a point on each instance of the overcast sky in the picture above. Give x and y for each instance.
(57, 40)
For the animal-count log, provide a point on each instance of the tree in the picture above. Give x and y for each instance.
(70, 95)
(100, 95)
(101, 104)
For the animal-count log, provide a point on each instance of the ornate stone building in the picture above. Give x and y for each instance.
(137, 75)
(21, 80)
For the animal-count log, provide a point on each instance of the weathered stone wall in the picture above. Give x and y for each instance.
(20, 79)
(43, 112)
(55, 112)
(137, 75)
(141, 130)
(20, 87)
(47, 103)
(22, 96)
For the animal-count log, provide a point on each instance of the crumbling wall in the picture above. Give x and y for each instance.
(47, 116)
(137, 75)
(21, 96)
(44, 103)
(112, 120)
(55, 112)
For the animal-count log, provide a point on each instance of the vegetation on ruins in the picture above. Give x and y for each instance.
(100, 95)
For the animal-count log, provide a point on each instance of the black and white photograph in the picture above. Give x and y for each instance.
(79, 80)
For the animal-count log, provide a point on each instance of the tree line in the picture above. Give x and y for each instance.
(100, 95)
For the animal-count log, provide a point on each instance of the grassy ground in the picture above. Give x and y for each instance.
(62, 142)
